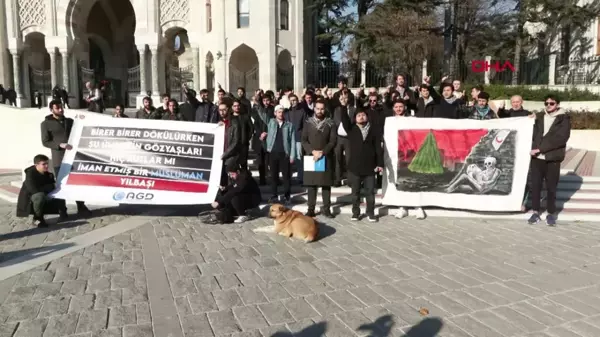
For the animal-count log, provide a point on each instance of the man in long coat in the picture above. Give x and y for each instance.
(318, 140)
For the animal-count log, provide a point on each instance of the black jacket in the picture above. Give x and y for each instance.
(504, 113)
(54, 132)
(35, 182)
(343, 110)
(365, 154)
(377, 118)
(174, 117)
(553, 145)
(427, 110)
(245, 186)
(233, 141)
(261, 116)
(154, 114)
(246, 127)
(444, 109)
(206, 113)
(297, 116)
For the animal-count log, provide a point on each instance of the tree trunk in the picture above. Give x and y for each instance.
(517, 57)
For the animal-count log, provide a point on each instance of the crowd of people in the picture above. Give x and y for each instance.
(341, 132)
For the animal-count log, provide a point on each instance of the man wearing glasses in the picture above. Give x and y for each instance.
(551, 132)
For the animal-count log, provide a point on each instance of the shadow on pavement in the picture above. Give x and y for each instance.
(36, 230)
(382, 327)
(20, 256)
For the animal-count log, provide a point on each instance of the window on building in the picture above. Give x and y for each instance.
(208, 16)
(243, 12)
(284, 15)
(177, 43)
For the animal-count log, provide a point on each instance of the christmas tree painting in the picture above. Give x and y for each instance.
(428, 159)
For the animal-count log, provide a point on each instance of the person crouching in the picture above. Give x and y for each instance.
(33, 197)
(240, 196)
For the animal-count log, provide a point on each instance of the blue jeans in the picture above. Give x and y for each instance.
(299, 162)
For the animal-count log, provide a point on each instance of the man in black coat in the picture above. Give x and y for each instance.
(297, 116)
(261, 115)
(246, 131)
(516, 108)
(551, 132)
(33, 196)
(56, 129)
(241, 195)
(366, 160)
(233, 140)
(342, 147)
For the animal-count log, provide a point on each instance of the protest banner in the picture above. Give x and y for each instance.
(459, 164)
(133, 161)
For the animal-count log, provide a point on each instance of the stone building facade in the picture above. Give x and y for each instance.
(154, 46)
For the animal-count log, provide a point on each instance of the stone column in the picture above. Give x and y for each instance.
(196, 69)
(486, 74)
(552, 70)
(202, 74)
(154, 65)
(424, 68)
(17, 73)
(65, 68)
(53, 75)
(143, 88)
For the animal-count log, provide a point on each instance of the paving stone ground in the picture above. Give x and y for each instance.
(17, 236)
(436, 277)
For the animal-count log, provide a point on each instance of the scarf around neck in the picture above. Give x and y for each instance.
(364, 130)
(482, 111)
(450, 100)
(319, 124)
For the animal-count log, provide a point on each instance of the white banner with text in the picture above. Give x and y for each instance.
(133, 161)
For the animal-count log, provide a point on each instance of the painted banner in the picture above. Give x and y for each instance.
(459, 164)
(134, 161)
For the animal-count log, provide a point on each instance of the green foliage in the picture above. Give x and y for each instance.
(584, 120)
(428, 160)
(528, 94)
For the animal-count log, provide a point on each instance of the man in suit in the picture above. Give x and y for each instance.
(342, 150)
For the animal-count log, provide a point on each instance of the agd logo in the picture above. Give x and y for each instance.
(481, 66)
(119, 195)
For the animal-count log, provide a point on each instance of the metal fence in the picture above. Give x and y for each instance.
(579, 71)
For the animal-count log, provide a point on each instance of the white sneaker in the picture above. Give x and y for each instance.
(420, 213)
(401, 213)
(241, 219)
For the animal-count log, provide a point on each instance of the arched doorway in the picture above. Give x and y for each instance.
(105, 29)
(178, 61)
(37, 72)
(243, 69)
(285, 70)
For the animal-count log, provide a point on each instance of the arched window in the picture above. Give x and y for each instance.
(208, 16)
(284, 15)
(177, 43)
(243, 12)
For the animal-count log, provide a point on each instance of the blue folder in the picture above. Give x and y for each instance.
(320, 165)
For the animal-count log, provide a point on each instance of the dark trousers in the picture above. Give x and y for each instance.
(342, 150)
(312, 197)
(42, 205)
(243, 157)
(280, 162)
(548, 171)
(368, 183)
(80, 204)
(236, 207)
(261, 161)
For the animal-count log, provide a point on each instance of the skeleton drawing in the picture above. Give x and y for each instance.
(482, 180)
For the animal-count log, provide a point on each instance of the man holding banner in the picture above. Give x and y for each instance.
(56, 130)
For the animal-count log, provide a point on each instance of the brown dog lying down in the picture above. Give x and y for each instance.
(290, 223)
